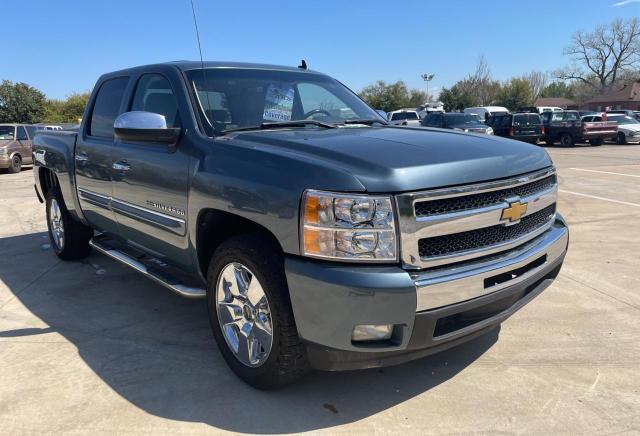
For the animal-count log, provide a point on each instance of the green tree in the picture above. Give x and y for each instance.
(20, 103)
(391, 96)
(457, 98)
(69, 110)
(515, 94)
(557, 89)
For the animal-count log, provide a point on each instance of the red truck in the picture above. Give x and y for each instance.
(567, 127)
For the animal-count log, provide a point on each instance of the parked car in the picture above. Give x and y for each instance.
(238, 186)
(457, 121)
(627, 112)
(585, 113)
(541, 109)
(425, 109)
(522, 126)
(404, 117)
(15, 146)
(628, 128)
(486, 111)
(568, 128)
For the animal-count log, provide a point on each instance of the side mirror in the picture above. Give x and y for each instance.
(148, 127)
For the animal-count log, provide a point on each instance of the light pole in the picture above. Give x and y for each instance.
(427, 78)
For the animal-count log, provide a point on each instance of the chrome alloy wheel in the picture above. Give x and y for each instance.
(55, 224)
(244, 314)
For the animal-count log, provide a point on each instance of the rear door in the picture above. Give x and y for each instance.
(151, 180)
(93, 155)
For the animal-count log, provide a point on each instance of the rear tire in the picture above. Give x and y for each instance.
(596, 142)
(69, 238)
(283, 359)
(16, 164)
(566, 139)
(621, 139)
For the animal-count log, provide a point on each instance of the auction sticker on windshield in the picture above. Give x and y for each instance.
(278, 104)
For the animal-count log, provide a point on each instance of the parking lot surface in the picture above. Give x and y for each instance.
(94, 348)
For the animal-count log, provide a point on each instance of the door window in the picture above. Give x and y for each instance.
(22, 134)
(154, 94)
(571, 116)
(107, 107)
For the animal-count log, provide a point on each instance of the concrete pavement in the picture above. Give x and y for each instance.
(93, 347)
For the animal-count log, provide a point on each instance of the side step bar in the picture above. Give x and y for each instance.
(168, 282)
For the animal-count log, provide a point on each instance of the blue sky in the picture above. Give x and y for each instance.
(63, 46)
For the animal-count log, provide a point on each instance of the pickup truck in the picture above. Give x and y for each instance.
(318, 235)
(567, 127)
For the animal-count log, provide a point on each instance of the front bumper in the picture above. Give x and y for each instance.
(5, 161)
(430, 311)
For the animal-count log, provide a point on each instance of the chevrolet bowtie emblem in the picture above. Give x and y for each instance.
(514, 212)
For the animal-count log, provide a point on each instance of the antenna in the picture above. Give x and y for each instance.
(303, 65)
(204, 78)
(195, 23)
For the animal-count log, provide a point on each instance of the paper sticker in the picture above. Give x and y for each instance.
(278, 102)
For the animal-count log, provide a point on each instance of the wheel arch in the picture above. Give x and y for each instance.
(215, 226)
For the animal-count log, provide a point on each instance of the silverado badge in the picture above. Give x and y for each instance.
(514, 212)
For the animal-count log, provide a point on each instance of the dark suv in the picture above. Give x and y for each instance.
(523, 126)
(456, 121)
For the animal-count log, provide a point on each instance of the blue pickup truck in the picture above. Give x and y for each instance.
(319, 235)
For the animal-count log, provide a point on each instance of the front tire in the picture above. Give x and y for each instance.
(621, 139)
(16, 164)
(250, 313)
(69, 238)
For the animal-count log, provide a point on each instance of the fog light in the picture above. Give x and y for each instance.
(372, 332)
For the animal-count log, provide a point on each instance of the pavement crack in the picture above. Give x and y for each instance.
(568, 275)
(35, 279)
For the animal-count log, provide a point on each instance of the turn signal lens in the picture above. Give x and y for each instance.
(353, 227)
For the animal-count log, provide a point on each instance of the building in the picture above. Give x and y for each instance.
(627, 97)
(560, 102)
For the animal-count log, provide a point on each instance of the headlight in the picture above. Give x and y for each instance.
(348, 227)
(489, 131)
(4, 151)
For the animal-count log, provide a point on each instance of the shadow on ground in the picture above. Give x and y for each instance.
(155, 349)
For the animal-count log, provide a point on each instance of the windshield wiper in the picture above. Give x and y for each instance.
(366, 121)
(280, 124)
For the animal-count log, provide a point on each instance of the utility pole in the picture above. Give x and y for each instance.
(427, 78)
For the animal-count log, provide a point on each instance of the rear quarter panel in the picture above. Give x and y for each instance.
(55, 151)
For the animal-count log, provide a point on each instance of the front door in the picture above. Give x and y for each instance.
(24, 143)
(93, 156)
(151, 180)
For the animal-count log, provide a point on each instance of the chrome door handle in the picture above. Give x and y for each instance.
(121, 166)
(82, 157)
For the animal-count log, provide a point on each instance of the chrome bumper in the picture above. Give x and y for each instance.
(453, 284)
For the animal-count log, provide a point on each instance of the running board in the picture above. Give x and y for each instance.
(157, 276)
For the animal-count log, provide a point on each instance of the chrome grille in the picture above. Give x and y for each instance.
(445, 226)
(474, 201)
(477, 239)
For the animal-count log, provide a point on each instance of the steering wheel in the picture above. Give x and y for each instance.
(316, 111)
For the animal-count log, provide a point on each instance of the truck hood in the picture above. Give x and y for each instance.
(400, 159)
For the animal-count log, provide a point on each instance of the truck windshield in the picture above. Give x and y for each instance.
(233, 98)
(6, 132)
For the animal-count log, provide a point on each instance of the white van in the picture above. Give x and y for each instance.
(485, 112)
(542, 109)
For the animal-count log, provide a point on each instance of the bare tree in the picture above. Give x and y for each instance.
(537, 80)
(479, 84)
(601, 57)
